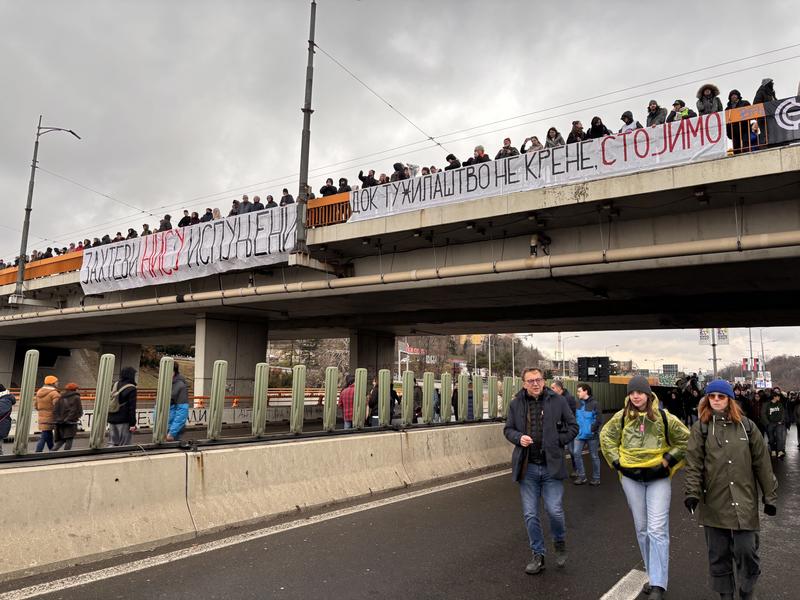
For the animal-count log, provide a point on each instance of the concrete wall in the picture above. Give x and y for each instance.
(87, 510)
(57, 514)
(8, 349)
(373, 351)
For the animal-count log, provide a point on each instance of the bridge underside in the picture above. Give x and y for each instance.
(758, 288)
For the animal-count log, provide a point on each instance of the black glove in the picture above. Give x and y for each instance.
(770, 510)
(691, 504)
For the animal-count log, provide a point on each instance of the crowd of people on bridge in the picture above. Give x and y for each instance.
(745, 136)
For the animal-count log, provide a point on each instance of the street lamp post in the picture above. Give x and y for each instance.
(18, 296)
(305, 142)
(563, 360)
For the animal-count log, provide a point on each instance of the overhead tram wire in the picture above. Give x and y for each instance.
(436, 143)
(381, 98)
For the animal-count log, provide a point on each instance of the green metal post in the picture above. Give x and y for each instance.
(163, 397)
(25, 407)
(384, 397)
(428, 391)
(508, 394)
(407, 404)
(463, 397)
(331, 394)
(360, 399)
(446, 392)
(260, 399)
(298, 398)
(97, 435)
(216, 404)
(492, 393)
(517, 384)
(477, 398)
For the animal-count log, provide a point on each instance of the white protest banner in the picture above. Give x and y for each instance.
(241, 242)
(679, 142)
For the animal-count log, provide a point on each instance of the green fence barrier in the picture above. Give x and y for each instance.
(331, 394)
(360, 399)
(407, 402)
(97, 435)
(428, 391)
(25, 406)
(491, 392)
(163, 397)
(610, 396)
(445, 394)
(463, 397)
(384, 397)
(298, 398)
(477, 398)
(216, 404)
(508, 395)
(260, 399)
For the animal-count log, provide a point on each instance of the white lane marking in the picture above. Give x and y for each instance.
(155, 561)
(627, 588)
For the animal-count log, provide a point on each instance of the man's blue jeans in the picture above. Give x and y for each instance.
(537, 482)
(594, 452)
(45, 438)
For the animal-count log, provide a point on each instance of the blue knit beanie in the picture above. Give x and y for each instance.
(720, 386)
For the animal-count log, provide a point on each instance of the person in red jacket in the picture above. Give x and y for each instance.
(346, 400)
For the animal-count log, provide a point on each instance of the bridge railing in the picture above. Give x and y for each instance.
(328, 210)
(44, 267)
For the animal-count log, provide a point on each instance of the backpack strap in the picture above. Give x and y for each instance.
(666, 426)
(117, 392)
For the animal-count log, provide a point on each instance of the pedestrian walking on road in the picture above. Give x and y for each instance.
(590, 418)
(726, 463)
(773, 415)
(539, 424)
(646, 445)
(178, 405)
(346, 397)
(7, 401)
(558, 387)
(67, 413)
(122, 410)
(44, 403)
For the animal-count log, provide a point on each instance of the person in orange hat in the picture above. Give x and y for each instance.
(67, 414)
(44, 403)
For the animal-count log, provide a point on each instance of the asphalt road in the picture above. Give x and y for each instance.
(464, 543)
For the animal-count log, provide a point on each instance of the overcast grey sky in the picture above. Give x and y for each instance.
(190, 104)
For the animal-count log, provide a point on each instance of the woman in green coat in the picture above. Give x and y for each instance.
(726, 463)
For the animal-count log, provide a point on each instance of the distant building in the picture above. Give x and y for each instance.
(670, 371)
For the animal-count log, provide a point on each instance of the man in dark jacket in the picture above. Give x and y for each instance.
(558, 387)
(766, 92)
(597, 130)
(539, 424)
(507, 150)
(343, 187)
(7, 400)
(738, 132)
(773, 415)
(680, 111)
(369, 180)
(122, 422)
(655, 114)
(478, 156)
(270, 202)
(185, 220)
(207, 216)
(399, 172)
(328, 189)
(452, 162)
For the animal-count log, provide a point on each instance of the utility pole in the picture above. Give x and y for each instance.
(18, 296)
(763, 356)
(752, 370)
(305, 145)
(714, 350)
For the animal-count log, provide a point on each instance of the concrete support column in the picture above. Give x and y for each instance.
(8, 349)
(242, 344)
(372, 350)
(126, 355)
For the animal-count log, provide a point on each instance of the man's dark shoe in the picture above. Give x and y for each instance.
(747, 595)
(656, 593)
(561, 554)
(579, 480)
(647, 588)
(536, 564)
(594, 482)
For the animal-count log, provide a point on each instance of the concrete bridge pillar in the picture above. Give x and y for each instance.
(372, 350)
(126, 355)
(8, 349)
(242, 343)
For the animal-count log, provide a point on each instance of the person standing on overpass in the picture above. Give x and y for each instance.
(178, 405)
(346, 397)
(539, 424)
(646, 445)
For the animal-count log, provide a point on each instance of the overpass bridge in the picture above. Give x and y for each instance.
(697, 244)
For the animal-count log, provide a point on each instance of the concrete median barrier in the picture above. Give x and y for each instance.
(430, 454)
(65, 513)
(234, 486)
